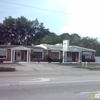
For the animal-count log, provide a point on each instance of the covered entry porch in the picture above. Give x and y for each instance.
(20, 54)
(72, 57)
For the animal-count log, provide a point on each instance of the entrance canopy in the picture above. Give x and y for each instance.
(21, 48)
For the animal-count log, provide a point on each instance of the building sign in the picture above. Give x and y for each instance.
(65, 45)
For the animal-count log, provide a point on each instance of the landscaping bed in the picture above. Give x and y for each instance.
(89, 67)
(6, 69)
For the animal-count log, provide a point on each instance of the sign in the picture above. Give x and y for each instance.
(95, 95)
(65, 45)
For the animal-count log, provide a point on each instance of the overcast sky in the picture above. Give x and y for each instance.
(78, 16)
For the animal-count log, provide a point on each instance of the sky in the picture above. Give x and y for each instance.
(59, 16)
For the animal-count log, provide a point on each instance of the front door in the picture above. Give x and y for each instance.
(74, 56)
(18, 56)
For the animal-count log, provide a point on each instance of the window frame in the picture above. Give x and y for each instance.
(39, 56)
(53, 57)
(69, 55)
(5, 54)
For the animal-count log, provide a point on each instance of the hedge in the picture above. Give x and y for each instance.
(6, 69)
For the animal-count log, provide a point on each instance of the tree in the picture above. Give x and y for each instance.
(74, 39)
(21, 31)
(51, 38)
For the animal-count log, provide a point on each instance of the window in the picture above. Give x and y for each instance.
(3, 54)
(38, 55)
(18, 54)
(55, 55)
(69, 55)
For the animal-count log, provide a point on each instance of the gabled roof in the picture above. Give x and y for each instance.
(60, 47)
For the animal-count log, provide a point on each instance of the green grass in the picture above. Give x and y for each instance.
(89, 67)
(6, 69)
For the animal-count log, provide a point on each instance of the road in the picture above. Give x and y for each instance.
(49, 85)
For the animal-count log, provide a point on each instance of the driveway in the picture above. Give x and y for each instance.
(41, 66)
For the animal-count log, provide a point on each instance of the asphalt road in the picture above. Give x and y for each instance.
(49, 85)
(50, 91)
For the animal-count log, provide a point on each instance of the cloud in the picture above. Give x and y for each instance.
(84, 17)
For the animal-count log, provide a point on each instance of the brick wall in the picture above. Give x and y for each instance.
(92, 56)
(49, 53)
(61, 53)
(8, 54)
(45, 52)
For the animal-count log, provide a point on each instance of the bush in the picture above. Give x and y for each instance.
(88, 60)
(61, 58)
(6, 69)
(47, 58)
(57, 60)
(32, 56)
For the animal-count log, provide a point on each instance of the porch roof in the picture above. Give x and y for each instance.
(77, 48)
(17, 46)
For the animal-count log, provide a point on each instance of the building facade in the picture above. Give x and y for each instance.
(17, 53)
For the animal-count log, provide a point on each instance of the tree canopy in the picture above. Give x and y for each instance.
(21, 31)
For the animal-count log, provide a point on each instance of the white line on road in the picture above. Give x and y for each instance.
(8, 84)
(88, 92)
(56, 82)
(36, 80)
(32, 82)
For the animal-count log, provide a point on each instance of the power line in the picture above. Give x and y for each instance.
(33, 7)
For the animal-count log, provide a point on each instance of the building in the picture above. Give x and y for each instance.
(18, 53)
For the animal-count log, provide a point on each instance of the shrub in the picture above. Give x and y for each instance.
(6, 69)
(89, 60)
(61, 58)
(47, 58)
(32, 56)
(56, 60)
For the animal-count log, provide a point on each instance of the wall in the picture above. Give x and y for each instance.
(97, 58)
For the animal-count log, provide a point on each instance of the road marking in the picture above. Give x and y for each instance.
(42, 79)
(36, 80)
(4, 84)
(9, 84)
(88, 92)
(47, 81)
(85, 92)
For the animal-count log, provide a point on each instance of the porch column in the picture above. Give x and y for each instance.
(59, 55)
(80, 57)
(63, 56)
(13, 55)
(27, 55)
